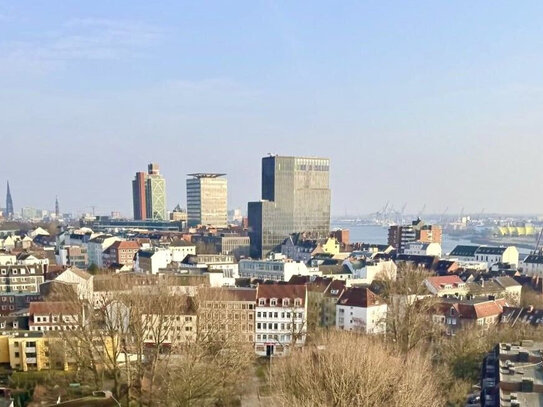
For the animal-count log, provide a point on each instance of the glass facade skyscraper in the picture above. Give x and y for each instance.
(207, 200)
(295, 198)
(149, 194)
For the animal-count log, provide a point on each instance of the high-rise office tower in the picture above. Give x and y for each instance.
(139, 186)
(149, 194)
(156, 194)
(9, 204)
(207, 200)
(295, 198)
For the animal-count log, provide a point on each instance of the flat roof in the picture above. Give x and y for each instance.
(206, 175)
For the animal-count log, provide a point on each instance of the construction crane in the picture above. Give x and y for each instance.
(443, 215)
(421, 211)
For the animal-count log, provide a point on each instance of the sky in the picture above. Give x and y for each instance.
(421, 103)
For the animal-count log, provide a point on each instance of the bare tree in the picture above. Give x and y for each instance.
(409, 313)
(349, 369)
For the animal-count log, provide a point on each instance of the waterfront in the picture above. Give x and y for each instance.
(379, 235)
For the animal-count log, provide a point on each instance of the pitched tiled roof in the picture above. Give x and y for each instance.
(125, 244)
(290, 291)
(80, 273)
(53, 307)
(359, 297)
(335, 289)
(440, 281)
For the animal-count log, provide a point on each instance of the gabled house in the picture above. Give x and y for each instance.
(360, 309)
(454, 314)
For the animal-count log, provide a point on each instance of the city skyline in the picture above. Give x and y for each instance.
(427, 102)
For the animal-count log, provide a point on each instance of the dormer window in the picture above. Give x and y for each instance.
(452, 311)
(273, 302)
(262, 301)
(297, 302)
(286, 302)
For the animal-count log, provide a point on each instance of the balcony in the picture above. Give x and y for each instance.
(29, 349)
(31, 360)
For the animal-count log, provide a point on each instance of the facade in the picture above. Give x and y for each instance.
(80, 279)
(276, 270)
(360, 309)
(281, 318)
(533, 264)
(139, 194)
(298, 247)
(423, 249)
(207, 200)
(123, 252)
(399, 236)
(453, 314)
(152, 261)
(96, 247)
(149, 195)
(229, 314)
(295, 198)
(491, 255)
(73, 256)
(155, 194)
(237, 246)
(21, 278)
(54, 316)
(32, 351)
(181, 249)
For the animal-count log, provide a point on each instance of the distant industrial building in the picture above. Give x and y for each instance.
(207, 200)
(295, 198)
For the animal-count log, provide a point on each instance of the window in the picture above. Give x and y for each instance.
(276, 315)
(297, 302)
(258, 314)
(286, 302)
(273, 302)
(261, 301)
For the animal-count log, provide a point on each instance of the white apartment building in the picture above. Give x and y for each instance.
(280, 318)
(96, 247)
(489, 254)
(533, 265)
(276, 270)
(422, 249)
(53, 316)
(359, 309)
(82, 280)
(181, 249)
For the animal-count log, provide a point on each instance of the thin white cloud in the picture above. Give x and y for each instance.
(79, 40)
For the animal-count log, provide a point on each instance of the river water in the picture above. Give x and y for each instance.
(379, 235)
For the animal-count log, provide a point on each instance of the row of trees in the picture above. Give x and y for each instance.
(148, 349)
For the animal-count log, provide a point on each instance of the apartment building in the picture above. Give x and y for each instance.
(54, 316)
(511, 375)
(21, 278)
(228, 314)
(281, 318)
(360, 309)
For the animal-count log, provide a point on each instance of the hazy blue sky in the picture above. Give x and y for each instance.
(436, 102)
